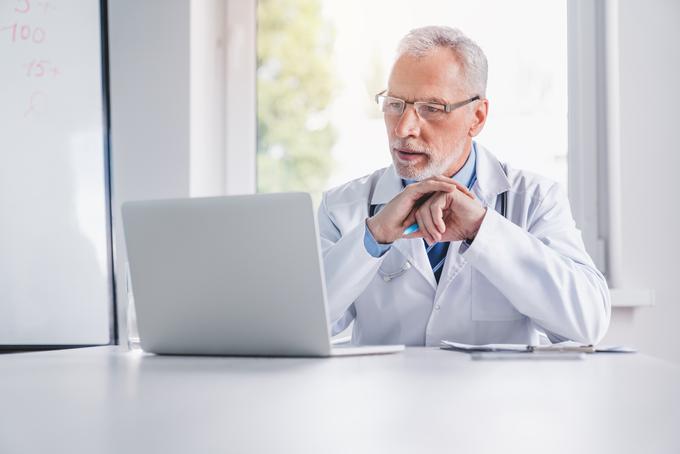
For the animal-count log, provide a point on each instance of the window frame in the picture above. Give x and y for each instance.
(240, 97)
(594, 130)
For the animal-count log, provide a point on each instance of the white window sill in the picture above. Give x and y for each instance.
(632, 297)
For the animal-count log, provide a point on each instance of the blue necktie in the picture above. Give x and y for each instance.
(436, 253)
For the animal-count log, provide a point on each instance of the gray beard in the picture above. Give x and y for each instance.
(431, 169)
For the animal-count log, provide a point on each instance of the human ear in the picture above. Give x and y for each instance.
(479, 117)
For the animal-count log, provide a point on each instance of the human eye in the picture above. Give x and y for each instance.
(431, 108)
(430, 111)
(392, 105)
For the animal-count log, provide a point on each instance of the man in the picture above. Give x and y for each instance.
(496, 257)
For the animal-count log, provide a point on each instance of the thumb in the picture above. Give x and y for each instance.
(464, 190)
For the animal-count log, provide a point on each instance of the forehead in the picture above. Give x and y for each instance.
(437, 75)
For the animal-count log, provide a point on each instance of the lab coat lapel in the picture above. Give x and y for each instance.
(491, 181)
(414, 251)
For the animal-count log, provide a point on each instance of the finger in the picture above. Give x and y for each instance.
(429, 216)
(463, 189)
(456, 198)
(436, 206)
(426, 187)
(450, 198)
(418, 234)
(443, 179)
(410, 219)
(422, 229)
(420, 194)
(425, 222)
(421, 224)
(466, 191)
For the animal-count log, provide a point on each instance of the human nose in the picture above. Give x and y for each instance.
(408, 123)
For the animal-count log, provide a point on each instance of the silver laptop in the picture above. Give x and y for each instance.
(237, 275)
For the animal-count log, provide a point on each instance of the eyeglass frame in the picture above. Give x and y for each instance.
(448, 108)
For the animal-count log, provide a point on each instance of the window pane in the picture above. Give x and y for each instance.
(321, 61)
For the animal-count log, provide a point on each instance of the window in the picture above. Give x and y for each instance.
(321, 61)
(546, 60)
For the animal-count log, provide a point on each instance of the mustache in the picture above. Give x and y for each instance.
(410, 147)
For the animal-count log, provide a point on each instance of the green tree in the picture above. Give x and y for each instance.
(295, 84)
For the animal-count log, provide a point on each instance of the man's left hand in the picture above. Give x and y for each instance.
(452, 216)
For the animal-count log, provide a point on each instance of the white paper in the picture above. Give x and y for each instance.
(485, 347)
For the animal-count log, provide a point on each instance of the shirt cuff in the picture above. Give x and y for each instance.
(372, 246)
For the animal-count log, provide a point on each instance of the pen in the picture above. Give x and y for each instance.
(561, 348)
(411, 229)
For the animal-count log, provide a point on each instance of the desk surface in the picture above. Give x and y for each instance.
(103, 400)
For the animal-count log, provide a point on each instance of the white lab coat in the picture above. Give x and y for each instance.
(524, 277)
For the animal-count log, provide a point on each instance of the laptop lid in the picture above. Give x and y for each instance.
(236, 275)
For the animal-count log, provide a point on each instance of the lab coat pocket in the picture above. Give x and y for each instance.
(488, 303)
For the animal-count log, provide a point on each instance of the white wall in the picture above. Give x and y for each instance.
(207, 93)
(650, 160)
(166, 76)
(149, 81)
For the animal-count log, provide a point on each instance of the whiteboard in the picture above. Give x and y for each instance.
(55, 272)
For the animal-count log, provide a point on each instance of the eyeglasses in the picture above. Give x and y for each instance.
(428, 111)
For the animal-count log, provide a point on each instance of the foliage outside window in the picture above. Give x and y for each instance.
(295, 85)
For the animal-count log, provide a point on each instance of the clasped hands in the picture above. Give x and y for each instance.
(444, 210)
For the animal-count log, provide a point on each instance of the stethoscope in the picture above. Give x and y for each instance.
(387, 277)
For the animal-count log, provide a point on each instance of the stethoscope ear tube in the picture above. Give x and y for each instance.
(504, 204)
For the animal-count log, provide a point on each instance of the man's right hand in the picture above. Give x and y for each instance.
(389, 223)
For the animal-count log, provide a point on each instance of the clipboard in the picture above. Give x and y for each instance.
(560, 347)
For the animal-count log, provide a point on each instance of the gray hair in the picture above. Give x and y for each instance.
(420, 41)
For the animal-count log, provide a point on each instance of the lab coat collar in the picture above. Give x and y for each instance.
(387, 187)
(491, 178)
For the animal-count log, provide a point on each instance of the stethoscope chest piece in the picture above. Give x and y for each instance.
(387, 277)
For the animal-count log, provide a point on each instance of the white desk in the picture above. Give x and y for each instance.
(102, 400)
